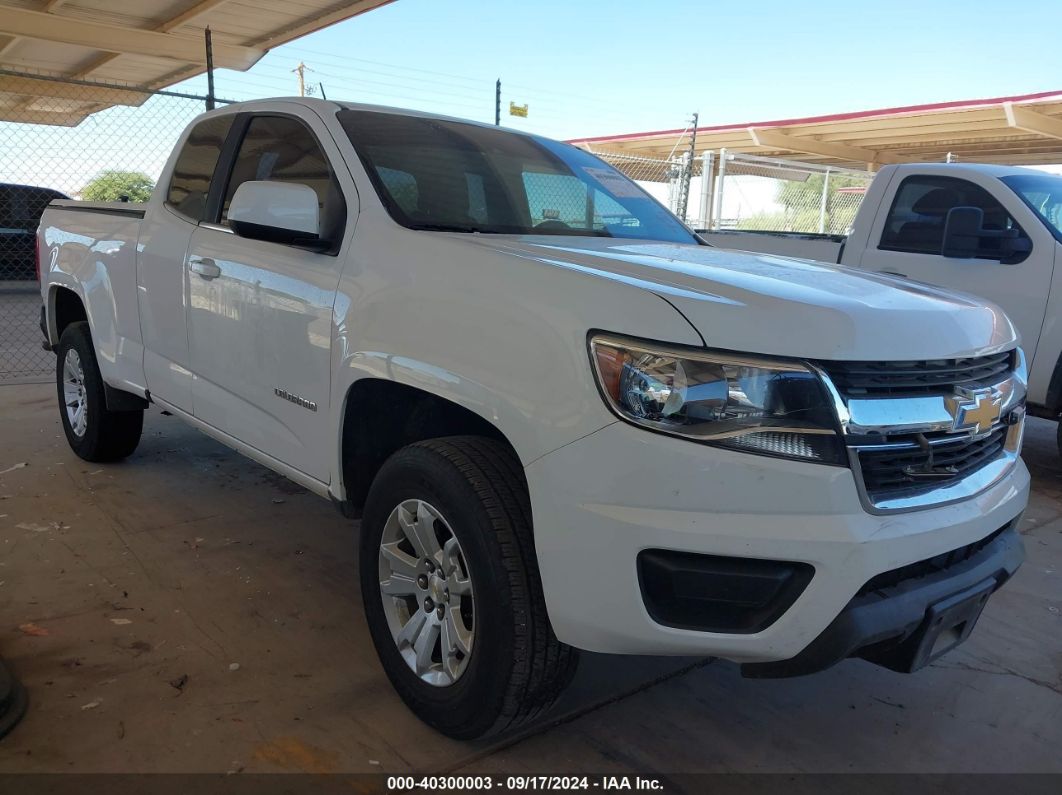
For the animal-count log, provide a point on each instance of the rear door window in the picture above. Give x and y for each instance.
(190, 181)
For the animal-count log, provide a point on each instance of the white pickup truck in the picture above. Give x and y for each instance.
(992, 231)
(565, 421)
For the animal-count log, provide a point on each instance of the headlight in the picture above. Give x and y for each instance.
(774, 408)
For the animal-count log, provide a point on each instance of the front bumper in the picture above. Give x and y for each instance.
(603, 499)
(890, 625)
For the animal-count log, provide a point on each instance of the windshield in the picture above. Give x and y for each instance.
(455, 177)
(1043, 194)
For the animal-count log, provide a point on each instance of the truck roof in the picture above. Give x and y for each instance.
(330, 106)
(325, 106)
(992, 169)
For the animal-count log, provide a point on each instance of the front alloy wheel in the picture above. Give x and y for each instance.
(427, 593)
(450, 585)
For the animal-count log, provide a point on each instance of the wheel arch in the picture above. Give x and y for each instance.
(65, 306)
(1046, 403)
(380, 416)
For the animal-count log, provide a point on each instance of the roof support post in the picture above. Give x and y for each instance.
(720, 181)
(705, 215)
(822, 202)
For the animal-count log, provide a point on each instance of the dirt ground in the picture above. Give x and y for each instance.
(190, 611)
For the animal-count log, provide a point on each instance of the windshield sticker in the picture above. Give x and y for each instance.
(614, 183)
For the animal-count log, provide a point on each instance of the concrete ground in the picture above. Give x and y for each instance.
(190, 611)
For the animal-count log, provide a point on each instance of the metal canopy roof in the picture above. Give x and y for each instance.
(1018, 130)
(147, 44)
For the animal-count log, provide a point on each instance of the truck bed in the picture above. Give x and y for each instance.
(824, 248)
(89, 248)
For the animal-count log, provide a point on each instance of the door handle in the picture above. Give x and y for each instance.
(894, 273)
(205, 267)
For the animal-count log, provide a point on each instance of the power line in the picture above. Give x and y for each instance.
(552, 108)
(549, 94)
(361, 81)
(339, 94)
(342, 59)
(460, 90)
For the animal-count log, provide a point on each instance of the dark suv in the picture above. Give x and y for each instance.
(21, 207)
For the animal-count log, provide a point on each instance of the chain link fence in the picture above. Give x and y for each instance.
(69, 146)
(669, 181)
(766, 194)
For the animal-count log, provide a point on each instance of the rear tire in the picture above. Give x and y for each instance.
(474, 498)
(94, 432)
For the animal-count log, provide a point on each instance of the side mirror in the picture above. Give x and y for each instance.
(279, 212)
(962, 232)
(1014, 249)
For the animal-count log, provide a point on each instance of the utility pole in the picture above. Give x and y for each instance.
(497, 103)
(300, 70)
(210, 70)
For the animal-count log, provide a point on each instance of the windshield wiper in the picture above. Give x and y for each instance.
(447, 228)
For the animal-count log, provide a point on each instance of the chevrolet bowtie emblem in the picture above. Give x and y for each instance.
(974, 410)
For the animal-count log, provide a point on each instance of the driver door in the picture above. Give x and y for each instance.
(260, 312)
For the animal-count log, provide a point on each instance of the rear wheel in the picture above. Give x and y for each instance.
(451, 589)
(94, 432)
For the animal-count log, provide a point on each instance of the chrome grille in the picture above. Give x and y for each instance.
(885, 379)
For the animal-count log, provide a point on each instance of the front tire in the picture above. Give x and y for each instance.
(451, 589)
(94, 432)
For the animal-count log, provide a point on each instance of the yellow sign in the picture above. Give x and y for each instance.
(517, 110)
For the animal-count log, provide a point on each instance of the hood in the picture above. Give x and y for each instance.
(761, 303)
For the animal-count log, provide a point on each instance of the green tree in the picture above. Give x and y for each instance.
(113, 184)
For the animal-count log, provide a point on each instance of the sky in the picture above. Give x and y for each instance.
(589, 67)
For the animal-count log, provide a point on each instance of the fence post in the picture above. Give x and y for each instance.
(705, 215)
(822, 203)
(720, 181)
(685, 175)
(209, 69)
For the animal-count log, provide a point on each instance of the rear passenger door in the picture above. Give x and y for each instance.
(260, 313)
(908, 235)
(161, 277)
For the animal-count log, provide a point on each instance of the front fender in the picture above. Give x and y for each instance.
(502, 337)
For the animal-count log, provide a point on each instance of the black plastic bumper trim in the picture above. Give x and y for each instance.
(713, 593)
(876, 624)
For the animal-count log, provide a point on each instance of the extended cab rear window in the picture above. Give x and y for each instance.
(195, 166)
(450, 176)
